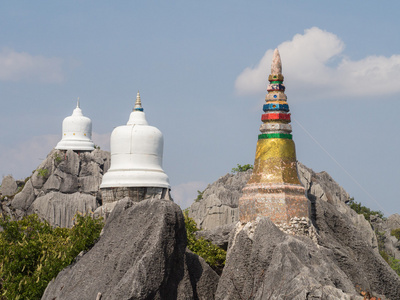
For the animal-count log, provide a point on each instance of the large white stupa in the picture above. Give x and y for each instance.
(136, 160)
(76, 132)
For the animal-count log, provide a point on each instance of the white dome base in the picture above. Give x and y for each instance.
(75, 145)
(135, 178)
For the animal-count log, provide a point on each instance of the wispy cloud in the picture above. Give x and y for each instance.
(314, 65)
(184, 194)
(22, 66)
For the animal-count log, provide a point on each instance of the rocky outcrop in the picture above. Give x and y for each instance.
(65, 183)
(140, 255)
(220, 201)
(8, 186)
(383, 228)
(322, 186)
(265, 263)
(219, 205)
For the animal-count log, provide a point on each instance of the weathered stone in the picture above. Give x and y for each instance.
(8, 186)
(353, 254)
(137, 194)
(52, 184)
(24, 199)
(59, 209)
(58, 174)
(218, 236)
(219, 205)
(265, 263)
(71, 162)
(90, 184)
(140, 255)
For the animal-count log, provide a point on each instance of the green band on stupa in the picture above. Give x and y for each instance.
(275, 136)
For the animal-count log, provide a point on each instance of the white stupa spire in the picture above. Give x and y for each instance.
(76, 132)
(136, 154)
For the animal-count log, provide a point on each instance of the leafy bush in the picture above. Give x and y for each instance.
(32, 253)
(396, 233)
(212, 254)
(241, 168)
(199, 196)
(360, 209)
(42, 172)
(57, 158)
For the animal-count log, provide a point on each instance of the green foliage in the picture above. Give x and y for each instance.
(396, 233)
(42, 172)
(199, 196)
(241, 168)
(213, 255)
(32, 253)
(393, 263)
(360, 209)
(57, 158)
(97, 147)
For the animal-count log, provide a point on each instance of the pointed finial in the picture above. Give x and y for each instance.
(276, 66)
(77, 103)
(138, 104)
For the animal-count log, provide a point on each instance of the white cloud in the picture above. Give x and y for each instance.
(22, 66)
(307, 66)
(184, 194)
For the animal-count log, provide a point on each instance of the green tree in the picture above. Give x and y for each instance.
(363, 210)
(212, 254)
(241, 168)
(32, 252)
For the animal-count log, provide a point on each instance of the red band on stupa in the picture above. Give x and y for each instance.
(270, 116)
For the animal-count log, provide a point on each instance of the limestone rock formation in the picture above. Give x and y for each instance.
(265, 263)
(220, 201)
(219, 205)
(8, 186)
(383, 228)
(65, 183)
(140, 255)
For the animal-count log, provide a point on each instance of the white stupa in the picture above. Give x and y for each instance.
(136, 155)
(76, 132)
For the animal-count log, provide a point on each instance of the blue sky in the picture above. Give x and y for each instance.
(201, 68)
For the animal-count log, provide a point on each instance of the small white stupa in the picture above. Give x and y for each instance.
(136, 161)
(76, 132)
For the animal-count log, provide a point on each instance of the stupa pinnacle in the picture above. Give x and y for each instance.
(274, 189)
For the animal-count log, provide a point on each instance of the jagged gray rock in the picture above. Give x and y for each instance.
(383, 228)
(219, 205)
(140, 255)
(353, 254)
(8, 186)
(218, 236)
(59, 209)
(221, 198)
(265, 263)
(322, 186)
(65, 183)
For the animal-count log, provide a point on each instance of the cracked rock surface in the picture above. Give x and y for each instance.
(65, 183)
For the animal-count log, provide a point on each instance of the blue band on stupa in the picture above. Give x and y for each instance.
(275, 106)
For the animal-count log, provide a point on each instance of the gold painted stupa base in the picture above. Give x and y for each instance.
(279, 202)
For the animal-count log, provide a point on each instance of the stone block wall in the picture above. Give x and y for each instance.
(137, 194)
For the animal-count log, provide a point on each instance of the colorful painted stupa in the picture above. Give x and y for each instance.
(274, 189)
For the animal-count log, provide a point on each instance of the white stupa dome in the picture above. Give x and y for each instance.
(136, 154)
(76, 132)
